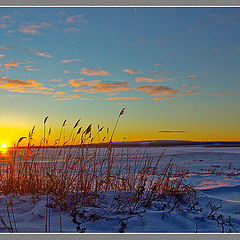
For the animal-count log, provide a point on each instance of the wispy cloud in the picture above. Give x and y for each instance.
(156, 90)
(29, 68)
(81, 82)
(76, 18)
(5, 48)
(94, 72)
(124, 98)
(219, 94)
(16, 85)
(150, 80)
(3, 25)
(32, 28)
(41, 54)
(194, 86)
(70, 60)
(191, 76)
(129, 71)
(5, 17)
(186, 93)
(72, 29)
(109, 87)
(2, 55)
(69, 97)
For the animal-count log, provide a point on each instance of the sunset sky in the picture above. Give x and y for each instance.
(175, 70)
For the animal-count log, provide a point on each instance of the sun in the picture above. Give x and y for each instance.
(3, 145)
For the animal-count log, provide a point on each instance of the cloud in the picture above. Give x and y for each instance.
(3, 25)
(4, 48)
(72, 29)
(156, 90)
(109, 87)
(8, 65)
(68, 97)
(55, 80)
(32, 28)
(219, 95)
(38, 53)
(65, 71)
(2, 55)
(145, 79)
(5, 17)
(70, 60)
(170, 131)
(125, 98)
(94, 72)
(81, 82)
(129, 71)
(29, 68)
(158, 99)
(190, 86)
(196, 125)
(76, 18)
(16, 85)
(191, 76)
(186, 93)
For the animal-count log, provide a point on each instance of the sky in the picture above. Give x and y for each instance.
(174, 70)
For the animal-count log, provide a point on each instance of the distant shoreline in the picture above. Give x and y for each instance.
(155, 143)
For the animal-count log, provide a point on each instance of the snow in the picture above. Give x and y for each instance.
(213, 171)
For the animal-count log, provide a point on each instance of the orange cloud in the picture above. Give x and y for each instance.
(110, 87)
(188, 92)
(158, 90)
(94, 72)
(145, 79)
(220, 95)
(76, 18)
(81, 82)
(40, 53)
(5, 48)
(16, 85)
(32, 29)
(190, 86)
(70, 60)
(68, 97)
(191, 76)
(129, 71)
(3, 25)
(127, 98)
(158, 99)
(7, 65)
(30, 68)
(2, 55)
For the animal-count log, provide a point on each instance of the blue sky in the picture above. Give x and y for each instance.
(175, 70)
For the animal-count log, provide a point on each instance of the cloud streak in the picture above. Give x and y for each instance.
(131, 72)
(32, 28)
(70, 60)
(124, 98)
(156, 90)
(94, 72)
(41, 54)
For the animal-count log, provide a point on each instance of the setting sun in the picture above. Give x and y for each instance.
(3, 145)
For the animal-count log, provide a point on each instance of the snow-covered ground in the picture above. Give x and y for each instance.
(215, 173)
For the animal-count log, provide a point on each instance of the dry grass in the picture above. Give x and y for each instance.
(76, 172)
